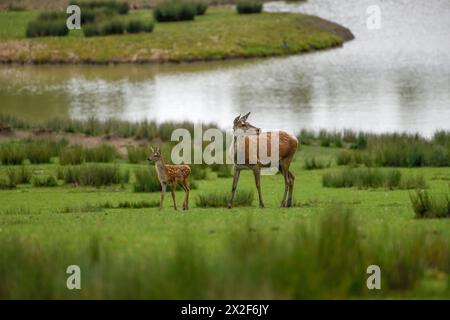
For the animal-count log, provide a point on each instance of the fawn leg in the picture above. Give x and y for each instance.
(174, 187)
(186, 195)
(163, 192)
(236, 174)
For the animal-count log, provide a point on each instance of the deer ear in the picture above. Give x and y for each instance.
(152, 150)
(235, 121)
(245, 117)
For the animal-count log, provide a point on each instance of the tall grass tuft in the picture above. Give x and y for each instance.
(223, 170)
(113, 26)
(119, 7)
(145, 129)
(77, 154)
(94, 175)
(146, 180)
(201, 6)
(34, 150)
(137, 154)
(325, 260)
(137, 26)
(399, 150)
(45, 28)
(243, 198)
(249, 6)
(371, 178)
(314, 164)
(174, 10)
(428, 206)
(18, 175)
(44, 181)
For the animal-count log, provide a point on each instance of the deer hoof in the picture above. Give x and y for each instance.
(229, 206)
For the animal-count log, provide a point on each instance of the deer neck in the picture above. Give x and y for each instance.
(161, 170)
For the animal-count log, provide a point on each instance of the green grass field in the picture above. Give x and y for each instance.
(315, 250)
(219, 34)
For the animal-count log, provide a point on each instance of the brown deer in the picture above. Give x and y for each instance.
(287, 148)
(171, 174)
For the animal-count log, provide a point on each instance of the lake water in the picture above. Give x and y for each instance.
(396, 78)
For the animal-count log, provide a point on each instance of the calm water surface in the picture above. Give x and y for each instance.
(396, 78)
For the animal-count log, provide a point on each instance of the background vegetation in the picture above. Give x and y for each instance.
(218, 34)
(127, 248)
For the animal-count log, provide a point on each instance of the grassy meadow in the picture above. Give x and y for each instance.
(219, 34)
(128, 248)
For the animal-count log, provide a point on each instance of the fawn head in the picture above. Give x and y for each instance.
(240, 123)
(154, 155)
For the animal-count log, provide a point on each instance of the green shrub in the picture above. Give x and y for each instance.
(114, 26)
(371, 178)
(123, 7)
(72, 155)
(344, 157)
(77, 154)
(249, 6)
(120, 7)
(44, 181)
(201, 7)
(138, 204)
(101, 153)
(313, 164)
(136, 26)
(95, 175)
(174, 10)
(90, 30)
(44, 28)
(137, 154)
(223, 170)
(20, 175)
(52, 15)
(426, 206)
(199, 172)
(242, 198)
(87, 17)
(146, 180)
(34, 150)
(6, 184)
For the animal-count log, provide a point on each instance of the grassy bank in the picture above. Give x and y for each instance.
(219, 34)
(127, 248)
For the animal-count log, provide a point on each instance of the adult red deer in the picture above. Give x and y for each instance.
(287, 146)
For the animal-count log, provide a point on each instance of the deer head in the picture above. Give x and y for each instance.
(155, 155)
(240, 123)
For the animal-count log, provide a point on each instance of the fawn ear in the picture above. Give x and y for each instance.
(245, 117)
(152, 150)
(235, 121)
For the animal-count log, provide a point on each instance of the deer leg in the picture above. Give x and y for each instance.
(291, 188)
(257, 174)
(286, 184)
(236, 174)
(163, 192)
(174, 187)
